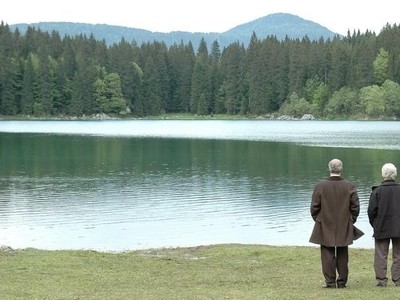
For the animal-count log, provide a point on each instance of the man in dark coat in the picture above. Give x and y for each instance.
(335, 207)
(384, 217)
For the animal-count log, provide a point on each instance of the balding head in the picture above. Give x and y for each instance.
(335, 166)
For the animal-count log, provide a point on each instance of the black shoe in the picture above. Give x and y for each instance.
(329, 286)
(381, 284)
(341, 286)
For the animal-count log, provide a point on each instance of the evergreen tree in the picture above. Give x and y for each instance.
(201, 83)
(8, 74)
(232, 66)
(220, 107)
(133, 83)
(298, 63)
(161, 64)
(122, 61)
(61, 94)
(362, 56)
(28, 88)
(275, 79)
(68, 59)
(43, 105)
(152, 97)
(255, 71)
(29, 42)
(215, 75)
(340, 68)
(82, 92)
(202, 108)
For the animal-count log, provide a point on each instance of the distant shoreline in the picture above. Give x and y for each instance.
(179, 116)
(173, 116)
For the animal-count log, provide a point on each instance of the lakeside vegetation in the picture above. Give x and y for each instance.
(205, 272)
(354, 77)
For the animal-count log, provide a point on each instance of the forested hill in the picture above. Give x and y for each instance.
(44, 74)
(281, 25)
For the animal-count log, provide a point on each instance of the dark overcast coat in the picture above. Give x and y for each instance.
(384, 210)
(335, 207)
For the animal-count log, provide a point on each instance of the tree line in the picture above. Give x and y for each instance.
(357, 76)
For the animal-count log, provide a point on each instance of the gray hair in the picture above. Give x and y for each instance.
(389, 171)
(335, 166)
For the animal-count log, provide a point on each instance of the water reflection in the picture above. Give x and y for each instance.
(349, 134)
(113, 192)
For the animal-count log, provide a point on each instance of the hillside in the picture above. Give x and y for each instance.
(280, 25)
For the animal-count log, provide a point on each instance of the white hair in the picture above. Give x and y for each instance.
(389, 171)
(335, 166)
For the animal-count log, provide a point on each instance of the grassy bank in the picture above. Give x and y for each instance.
(212, 272)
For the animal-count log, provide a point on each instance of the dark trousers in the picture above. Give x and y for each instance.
(335, 259)
(380, 259)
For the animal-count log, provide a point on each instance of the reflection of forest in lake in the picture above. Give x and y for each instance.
(128, 192)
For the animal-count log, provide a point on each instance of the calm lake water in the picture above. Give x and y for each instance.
(123, 185)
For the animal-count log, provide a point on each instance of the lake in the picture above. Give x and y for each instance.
(134, 184)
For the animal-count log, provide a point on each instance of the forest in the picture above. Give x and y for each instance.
(354, 77)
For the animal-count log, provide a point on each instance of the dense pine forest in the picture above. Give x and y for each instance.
(355, 77)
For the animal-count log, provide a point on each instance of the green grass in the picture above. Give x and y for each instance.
(209, 272)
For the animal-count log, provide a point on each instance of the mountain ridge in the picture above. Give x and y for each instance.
(280, 25)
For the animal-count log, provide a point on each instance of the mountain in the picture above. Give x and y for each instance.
(280, 25)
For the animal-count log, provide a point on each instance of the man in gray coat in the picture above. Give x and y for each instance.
(335, 207)
(384, 217)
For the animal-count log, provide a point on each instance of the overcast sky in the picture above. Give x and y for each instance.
(203, 15)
